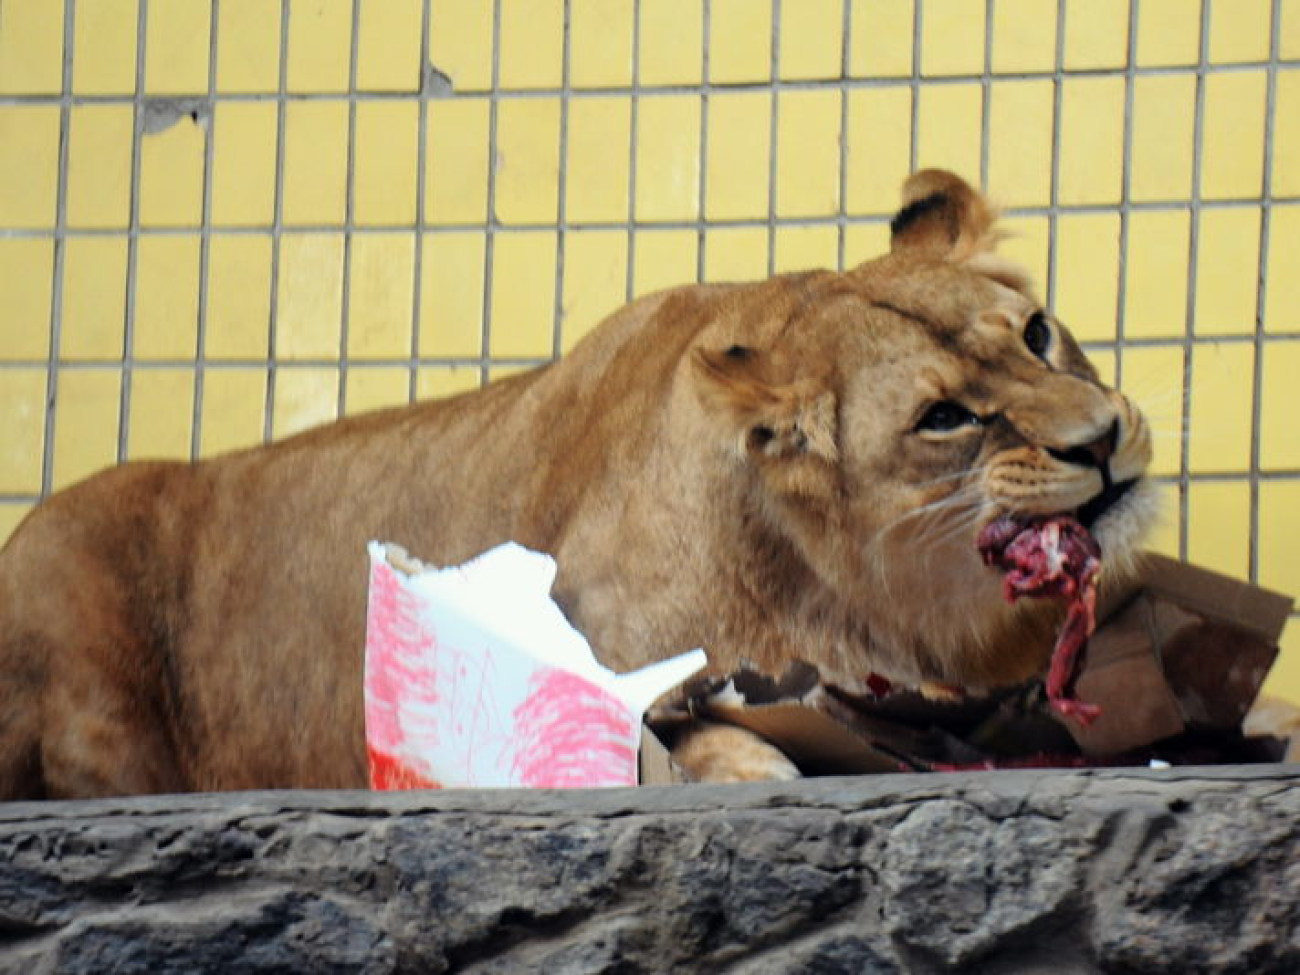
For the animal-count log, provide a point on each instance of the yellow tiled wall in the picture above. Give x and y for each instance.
(224, 220)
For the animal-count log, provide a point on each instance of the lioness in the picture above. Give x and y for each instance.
(793, 468)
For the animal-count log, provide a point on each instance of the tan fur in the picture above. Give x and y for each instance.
(1279, 718)
(732, 466)
(724, 753)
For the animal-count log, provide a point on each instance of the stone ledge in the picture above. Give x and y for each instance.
(1183, 870)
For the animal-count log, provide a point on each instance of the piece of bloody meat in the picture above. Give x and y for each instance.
(1054, 556)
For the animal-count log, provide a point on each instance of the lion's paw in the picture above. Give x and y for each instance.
(723, 753)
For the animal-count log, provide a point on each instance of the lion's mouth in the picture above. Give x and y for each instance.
(1111, 495)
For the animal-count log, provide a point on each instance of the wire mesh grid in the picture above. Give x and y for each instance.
(840, 80)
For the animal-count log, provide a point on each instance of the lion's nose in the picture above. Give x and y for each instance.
(1096, 454)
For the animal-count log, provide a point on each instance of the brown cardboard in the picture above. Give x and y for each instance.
(1217, 596)
(810, 737)
(1216, 688)
(1123, 674)
(1179, 649)
(657, 766)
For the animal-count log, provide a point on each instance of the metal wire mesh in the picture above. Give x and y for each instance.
(843, 80)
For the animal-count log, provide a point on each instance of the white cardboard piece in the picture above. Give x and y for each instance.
(474, 678)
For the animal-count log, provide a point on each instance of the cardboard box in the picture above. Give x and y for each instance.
(474, 678)
(1179, 648)
(1175, 664)
(1177, 660)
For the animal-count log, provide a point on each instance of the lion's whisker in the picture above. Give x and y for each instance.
(945, 478)
(966, 502)
(957, 499)
(943, 531)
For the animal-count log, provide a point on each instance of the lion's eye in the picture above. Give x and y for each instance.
(1038, 334)
(946, 417)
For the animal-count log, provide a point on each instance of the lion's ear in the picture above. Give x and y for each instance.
(772, 420)
(943, 217)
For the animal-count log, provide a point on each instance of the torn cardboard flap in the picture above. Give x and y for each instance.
(1238, 604)
(1181, 647)
(810, 737)
(1175, 665)
(1123, 674)
(459, 692)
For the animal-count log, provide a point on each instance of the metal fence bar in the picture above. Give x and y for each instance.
(133, 233)
(421, 164)
(205, 237)
(702, 187)
(846, 67)
(60, 244)
(680, 88)
(774, 136)
(1189, 323)
(1261, 294)
(490, 230)
(1126, 189)
(914, 83)
(1054, 185)
(1170, 480)
(562, 189)
(271, 366)
(1103, 345)
(349, 213)
(831, 220)
(773, 223)
(986, 95)
(634, 131)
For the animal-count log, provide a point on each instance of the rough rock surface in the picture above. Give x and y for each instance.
(1177, 871)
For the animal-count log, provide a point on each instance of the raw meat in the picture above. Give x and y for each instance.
(1053, 556)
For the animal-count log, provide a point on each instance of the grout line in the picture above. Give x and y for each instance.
(349, 215)
(59, 246)
(562, 187)
(421, 165)
(132, 235)
(277, 230)
(205, 237)
(1193, 252)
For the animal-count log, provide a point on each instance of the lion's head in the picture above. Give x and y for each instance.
(886, 414)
